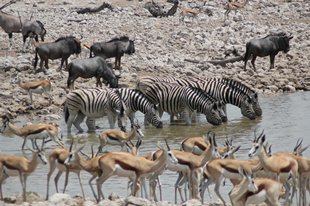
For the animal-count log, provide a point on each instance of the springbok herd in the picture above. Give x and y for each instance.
(199, 163)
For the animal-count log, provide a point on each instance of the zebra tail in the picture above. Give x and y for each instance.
(66, 111)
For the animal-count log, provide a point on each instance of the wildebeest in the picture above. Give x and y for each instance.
(92, 67)
(10, 24)
(33, 29)
(116, 47)
(62, 48)
(270, 45)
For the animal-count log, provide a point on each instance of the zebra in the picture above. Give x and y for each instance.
(94, 103)
(217, 89)
(173, 98)
(137, 101)
(146, 81)
(240, 86)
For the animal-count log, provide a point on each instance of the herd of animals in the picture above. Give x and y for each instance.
(199, 163)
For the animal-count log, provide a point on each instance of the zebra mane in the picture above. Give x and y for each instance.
(122, 38)
(237, 84)
(64, 38)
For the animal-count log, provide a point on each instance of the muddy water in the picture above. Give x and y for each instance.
(285, 119)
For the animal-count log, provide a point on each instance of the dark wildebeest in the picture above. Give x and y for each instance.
(270, 45)
(92, 67)
(116, 47)
(33, 29)
(61, 48)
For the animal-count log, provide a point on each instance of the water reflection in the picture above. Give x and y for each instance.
(285, 119)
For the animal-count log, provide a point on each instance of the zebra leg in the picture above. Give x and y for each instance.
(188, 117)
(78, 120)
(91, 124)
(112, 119)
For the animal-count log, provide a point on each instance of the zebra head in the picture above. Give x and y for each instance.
(247, 108)
(152, 116)
(213, 114)
(222, 110)
(256, 106)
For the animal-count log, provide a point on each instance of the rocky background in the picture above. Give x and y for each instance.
(164, 46)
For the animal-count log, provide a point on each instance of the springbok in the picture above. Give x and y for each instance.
(57, 158)
(33, 131)
(118, 137)
(20, 166)
(247, 185)
(233, 5)
(277, 164)
(35, 86)
(190, 166)
(128, 165)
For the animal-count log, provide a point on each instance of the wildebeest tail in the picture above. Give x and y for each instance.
(90, 52)
(36, 59)
(247, 53)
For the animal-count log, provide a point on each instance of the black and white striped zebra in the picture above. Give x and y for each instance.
(94, 103)
(147, 81)
(238, 85)
(137, 101)
(215, 88)
(174, 99)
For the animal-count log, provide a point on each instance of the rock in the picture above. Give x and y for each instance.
(131, 200)
(192, 202)
(61, 199)
(289, 88)
(113, 196)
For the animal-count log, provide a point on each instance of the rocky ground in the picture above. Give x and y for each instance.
(164, 46)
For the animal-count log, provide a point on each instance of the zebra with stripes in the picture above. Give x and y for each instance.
(94, 103)
(137, 101)
(213, 87)
(238, 85)
(174, 99)
(146, 81)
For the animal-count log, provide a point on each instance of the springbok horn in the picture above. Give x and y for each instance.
(71, 145)
(298, 143)
(167, 144)
(261, 135)
(92, 151)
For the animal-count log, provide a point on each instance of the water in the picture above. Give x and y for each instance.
(285, 119)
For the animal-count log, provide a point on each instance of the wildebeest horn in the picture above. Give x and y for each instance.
(81, 37)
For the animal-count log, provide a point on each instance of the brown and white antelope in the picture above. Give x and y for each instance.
(128, 165)
(247, 185)
(189, 12)
(118, 137)
(233, 5)
(218, 169)
(33, 131)
(268, 191)
(20, 166)
(277, 164)
(35, 86)
(56, 158)
(190, 166)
